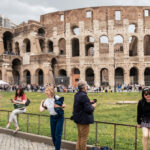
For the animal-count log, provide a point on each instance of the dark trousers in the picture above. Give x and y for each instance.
(56, 123)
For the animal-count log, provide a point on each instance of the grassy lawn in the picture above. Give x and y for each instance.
(105, 111)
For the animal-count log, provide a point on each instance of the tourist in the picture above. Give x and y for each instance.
(19, 105)
(143, 116)
(56, 120)
(82, 114)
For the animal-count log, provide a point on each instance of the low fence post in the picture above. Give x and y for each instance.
(38, 124)
(135, 138)
(96, 134)
(27, 123)
(114, 136)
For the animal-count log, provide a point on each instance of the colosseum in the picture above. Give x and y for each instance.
(102, 45)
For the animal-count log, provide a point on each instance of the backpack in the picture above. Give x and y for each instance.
(101, 148)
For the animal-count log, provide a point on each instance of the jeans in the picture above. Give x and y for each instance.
(56, 123)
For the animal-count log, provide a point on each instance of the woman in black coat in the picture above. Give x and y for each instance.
(143, 116)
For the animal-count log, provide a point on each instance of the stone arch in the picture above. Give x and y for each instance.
(133, 75)
(75, 47)
(146, 45)
(62, 46)
(133, 46)
(39, 77)
(7, 41)
(50, 46)
(119, 76)
(17, 49)
(104, 76)
(62, 73)
(42, 44)
(132, 28)
(75, 30)
(89, 46)
(27, 45)
(41, 32)
(147, 76)
(104, 44)
(27, 76)
(89, 76)
(118, 43)
(75, 76)
(16, 67)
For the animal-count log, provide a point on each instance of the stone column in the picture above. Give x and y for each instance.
(82, 72)
(96, 76)
(112, 76)
(1, 46)
(126, 76)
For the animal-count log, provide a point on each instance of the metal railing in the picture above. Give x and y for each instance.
(115, 125)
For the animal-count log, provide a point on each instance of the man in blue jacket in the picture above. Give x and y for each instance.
(82, 114)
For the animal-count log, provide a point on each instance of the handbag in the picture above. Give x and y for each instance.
(27, 102)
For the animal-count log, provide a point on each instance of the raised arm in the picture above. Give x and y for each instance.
(41, 106)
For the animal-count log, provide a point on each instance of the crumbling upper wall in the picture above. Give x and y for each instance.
(100, 14)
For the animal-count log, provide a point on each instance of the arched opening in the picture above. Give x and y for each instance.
(62, 78)
(62, 73)
(89, 46)
(42, 45)
(7, 41)
(75, 47)
(147, 76)
(27, 45)
(0, 75)
(104, 44)
(119, 76)
(75, 30)
(62, 46)
(41, 32)
(104, 77)
(118, 44)
(27, 76)
(146, 45)
(16, 67)
(133, 76)
(50, 46)
(17, 49)
(132, 28)
(40, 77)
(89, 76)
(133, 46)
(75, 76)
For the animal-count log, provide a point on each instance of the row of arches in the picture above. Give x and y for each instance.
(89, 45)
(119, 76)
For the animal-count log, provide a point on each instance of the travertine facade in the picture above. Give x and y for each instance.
(103, 45)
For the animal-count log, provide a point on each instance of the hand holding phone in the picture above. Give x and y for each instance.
(94, 101)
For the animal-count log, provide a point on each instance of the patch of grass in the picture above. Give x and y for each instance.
(105, 111)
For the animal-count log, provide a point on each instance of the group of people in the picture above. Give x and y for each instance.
(83, 109)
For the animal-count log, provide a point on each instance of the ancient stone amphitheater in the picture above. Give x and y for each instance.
(102, 45)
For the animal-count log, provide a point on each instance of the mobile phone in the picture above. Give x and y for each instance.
(94, 101)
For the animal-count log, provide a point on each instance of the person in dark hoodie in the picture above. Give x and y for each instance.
(143, 116)
(82, 114)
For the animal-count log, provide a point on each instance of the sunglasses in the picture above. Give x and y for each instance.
(147, 93)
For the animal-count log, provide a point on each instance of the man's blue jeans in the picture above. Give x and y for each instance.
(56, 123)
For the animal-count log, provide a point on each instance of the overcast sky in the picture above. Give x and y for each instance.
(23, 10)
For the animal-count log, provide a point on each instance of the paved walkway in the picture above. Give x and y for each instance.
(9, 142)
